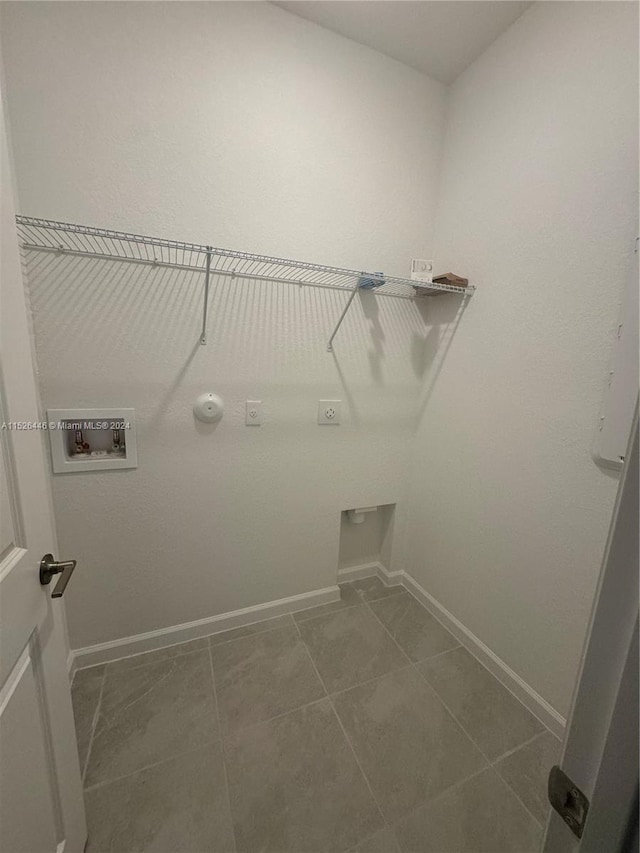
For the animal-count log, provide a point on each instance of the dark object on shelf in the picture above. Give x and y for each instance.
(451, 278)
(446, 278)
(366, 282)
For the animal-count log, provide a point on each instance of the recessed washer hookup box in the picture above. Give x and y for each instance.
(92, 439)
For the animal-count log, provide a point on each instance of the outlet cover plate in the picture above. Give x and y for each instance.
(422, 270)
(253, 412)
(329, 412)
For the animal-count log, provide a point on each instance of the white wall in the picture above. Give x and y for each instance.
(241, 125)
(539, 208)
(246, 127)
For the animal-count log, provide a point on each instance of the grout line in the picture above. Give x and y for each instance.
(518, 798)
(385, 823)
(347, 738)
(455, 717)
(369, 603)
(451, 714)
(370, 680)
(169, 758)
(520, 746)
(387, 631)
(427, 803)
(222, 750)
(241, 729)
(429, 657)
(173, 660)
(487, 766)
(233, 734)
(94, 724)
(508, 784)
(491, 763)
(438, 616)
(439, 654)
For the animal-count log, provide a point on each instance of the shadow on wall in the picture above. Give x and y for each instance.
(132, 324)
(442, 314)
(371, 311)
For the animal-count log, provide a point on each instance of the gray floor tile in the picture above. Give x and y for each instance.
(156, 655)
(408, 745)
(480, 816)
(250, 630)
(295, 786)
(494, 719)
(179, 806)
(85, 695)
(415, 630)
(350, 647)
(261, 676)
(382, 842)
(372, 589)
(527, 771)
(348, 597)
(150, 713)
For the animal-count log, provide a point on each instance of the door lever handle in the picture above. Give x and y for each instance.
(50, 567)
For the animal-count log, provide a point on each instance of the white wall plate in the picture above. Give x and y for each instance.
(253, 413)
(329, 411)
(422, 270)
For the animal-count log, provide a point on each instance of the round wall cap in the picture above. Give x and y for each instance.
(208, 408)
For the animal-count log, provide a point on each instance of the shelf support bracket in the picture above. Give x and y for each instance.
(207, 276)
(342, 316)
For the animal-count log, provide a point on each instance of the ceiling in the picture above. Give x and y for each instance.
(439, 37)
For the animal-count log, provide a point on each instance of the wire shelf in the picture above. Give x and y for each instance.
(66, 238)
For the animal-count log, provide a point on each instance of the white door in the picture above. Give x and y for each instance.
(41, 807)
(600, 754)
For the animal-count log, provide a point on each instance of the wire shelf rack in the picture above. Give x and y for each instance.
(47, 235)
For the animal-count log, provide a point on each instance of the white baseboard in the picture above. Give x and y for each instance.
(367, 570)
(364, 570)
(532, 700)
(127, 646)
(171, 636)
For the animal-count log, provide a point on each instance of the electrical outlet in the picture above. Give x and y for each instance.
(421, 270)
(329, 411)
(253, 413)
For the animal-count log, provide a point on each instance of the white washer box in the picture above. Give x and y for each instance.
(109, 433)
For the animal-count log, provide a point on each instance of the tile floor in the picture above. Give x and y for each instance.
(360, 726)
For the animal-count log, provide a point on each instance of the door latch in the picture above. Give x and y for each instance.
(50, 567)
(568, 800)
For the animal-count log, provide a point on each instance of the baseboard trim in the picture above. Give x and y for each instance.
(532, 700)
(174, 634)
(367, 570)
(152, 640)
(364, 570)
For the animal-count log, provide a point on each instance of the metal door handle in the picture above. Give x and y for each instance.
(50, 567)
